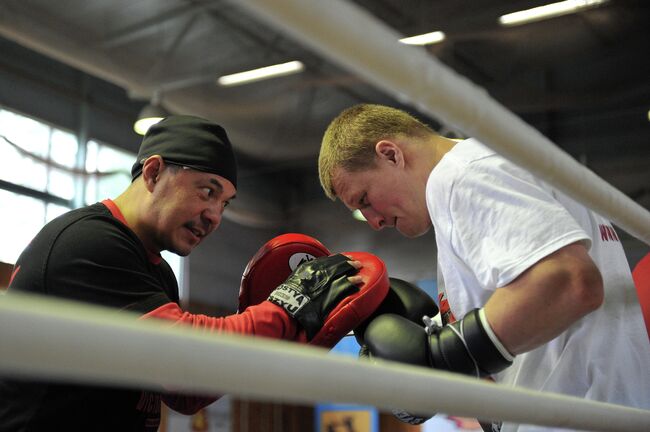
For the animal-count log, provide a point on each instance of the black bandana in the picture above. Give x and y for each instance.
(189, 141)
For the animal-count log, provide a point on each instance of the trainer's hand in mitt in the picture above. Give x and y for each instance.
(278, 258)
(273, 263)
(315, 288)
(354, 309)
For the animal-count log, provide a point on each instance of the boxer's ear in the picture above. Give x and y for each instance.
(390, 152)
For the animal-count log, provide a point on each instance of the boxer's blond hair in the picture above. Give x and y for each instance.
(349, 141)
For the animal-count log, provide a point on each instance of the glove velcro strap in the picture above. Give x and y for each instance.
(488, 357)
(466, 347)
(290, 297)
(449, 351)
(493, 337)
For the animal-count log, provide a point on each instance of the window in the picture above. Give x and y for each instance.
(20, 220)
(27, 135)
(36, 170)
(112, 168)
(44, 172)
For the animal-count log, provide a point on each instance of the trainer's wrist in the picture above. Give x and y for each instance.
(289, 297)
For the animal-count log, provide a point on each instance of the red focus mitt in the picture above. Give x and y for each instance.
(274, 262)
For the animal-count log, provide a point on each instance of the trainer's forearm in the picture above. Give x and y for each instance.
(265, 319)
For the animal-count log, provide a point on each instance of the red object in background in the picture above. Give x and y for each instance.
(641, 276)
(465, 423)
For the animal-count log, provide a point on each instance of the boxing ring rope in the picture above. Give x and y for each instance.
(50, 338)
(354, 39)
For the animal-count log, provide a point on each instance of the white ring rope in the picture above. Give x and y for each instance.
(354, 39)
(51, 338)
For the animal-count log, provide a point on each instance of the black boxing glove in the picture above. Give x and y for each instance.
(404, 299)
(408, 301)
(468, 346)
(313, 289)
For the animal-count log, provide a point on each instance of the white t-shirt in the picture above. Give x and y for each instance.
(493, 220)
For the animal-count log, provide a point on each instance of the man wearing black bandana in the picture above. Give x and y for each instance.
(108, 254)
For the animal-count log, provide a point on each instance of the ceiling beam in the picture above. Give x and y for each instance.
(150, 25)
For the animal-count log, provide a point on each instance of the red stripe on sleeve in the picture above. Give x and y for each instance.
(265, 319)
(13, 274)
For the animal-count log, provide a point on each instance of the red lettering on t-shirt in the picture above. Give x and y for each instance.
(607, 233)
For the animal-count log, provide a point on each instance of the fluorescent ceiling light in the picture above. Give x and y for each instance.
(547, 11)
(149, 115)
(424, 39)
(261, 73)
(142, 126)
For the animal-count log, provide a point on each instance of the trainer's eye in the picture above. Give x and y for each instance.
(207, 192)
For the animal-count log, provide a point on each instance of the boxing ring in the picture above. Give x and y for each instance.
(50, 338)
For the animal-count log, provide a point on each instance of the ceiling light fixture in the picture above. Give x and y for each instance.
(261, 73)
(424, 39)
(548, 11)
(151, 114)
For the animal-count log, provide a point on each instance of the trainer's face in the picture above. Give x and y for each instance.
(189, 206)
(388, 197)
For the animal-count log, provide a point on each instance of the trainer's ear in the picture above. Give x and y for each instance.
(151, 170)
(390, 152)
